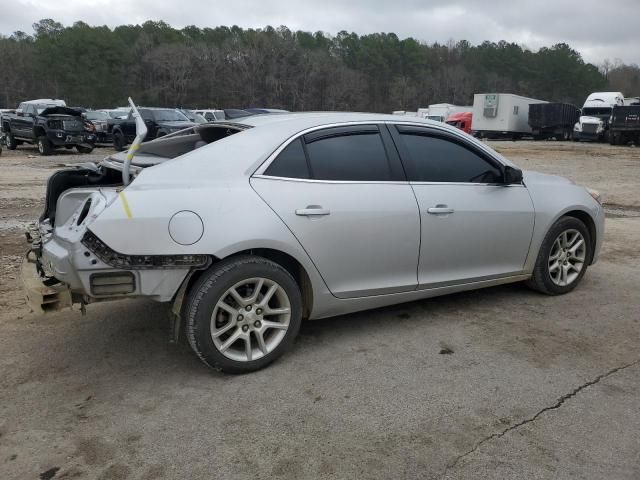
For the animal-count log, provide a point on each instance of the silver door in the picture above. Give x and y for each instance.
(362, 237)
(474, 227)
(472, 232)
(342, 193)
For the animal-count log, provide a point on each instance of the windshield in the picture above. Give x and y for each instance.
(169, 115)
(96, 115)
(118, 113)
(595, 112)
(41, 107)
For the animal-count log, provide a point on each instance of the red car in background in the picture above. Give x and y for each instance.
(461, 120)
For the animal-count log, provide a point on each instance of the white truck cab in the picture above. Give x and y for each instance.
(593, 124)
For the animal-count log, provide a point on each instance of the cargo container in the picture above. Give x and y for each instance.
(552, 120)
(625, 125)
(461, 120)
(505, 115)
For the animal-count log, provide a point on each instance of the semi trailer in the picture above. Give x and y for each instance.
(552, 120)
(501, 115)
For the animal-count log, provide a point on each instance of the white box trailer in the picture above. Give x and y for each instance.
(501, 115)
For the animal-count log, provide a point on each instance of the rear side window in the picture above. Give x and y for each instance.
(436, 159)
(291, 163)
(354, 157)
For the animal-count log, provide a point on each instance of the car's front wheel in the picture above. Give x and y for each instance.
(44, 146)
(84, 148)
(563, 257)
(119, 142)
(242, 314)
(10, 141)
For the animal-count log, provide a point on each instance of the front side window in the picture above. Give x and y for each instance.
(438, 159)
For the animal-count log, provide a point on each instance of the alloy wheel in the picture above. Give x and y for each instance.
(567, 257)
(250, 319)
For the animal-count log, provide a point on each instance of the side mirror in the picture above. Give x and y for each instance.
(19, 112)
(512, 175)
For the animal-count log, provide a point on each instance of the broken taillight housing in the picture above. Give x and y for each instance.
(140, 262)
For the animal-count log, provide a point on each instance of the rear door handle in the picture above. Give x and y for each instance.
(440, 210)
(312, 211)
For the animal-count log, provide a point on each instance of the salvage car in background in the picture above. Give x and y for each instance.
(247, 227)
(48, 124)
(159, 122)
(100, 120)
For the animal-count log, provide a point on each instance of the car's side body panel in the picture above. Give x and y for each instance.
(487, 235)
(350, 244)
(554, 197)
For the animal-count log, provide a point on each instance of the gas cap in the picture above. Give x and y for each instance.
(186, 227)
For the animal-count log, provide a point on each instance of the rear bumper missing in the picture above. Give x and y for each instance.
(43, 294)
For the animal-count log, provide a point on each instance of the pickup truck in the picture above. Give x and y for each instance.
(159, 122)
(49, 124)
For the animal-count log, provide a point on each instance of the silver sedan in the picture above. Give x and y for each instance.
(249, 227)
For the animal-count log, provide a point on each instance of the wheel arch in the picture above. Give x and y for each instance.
(39, 131)
(285, 260)
(590, 223)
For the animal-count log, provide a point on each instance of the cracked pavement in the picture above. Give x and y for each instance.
(498, 383)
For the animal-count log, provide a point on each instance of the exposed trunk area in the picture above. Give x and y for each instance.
(75, 178)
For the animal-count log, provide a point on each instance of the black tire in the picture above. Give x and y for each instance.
(541, 279)
(10, 141)
(44, 146)
(119, 142)
(84, 149)
(212, 287)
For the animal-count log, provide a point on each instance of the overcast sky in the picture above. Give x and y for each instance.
(598, 29)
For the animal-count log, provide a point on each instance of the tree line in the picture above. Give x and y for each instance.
(226, 67)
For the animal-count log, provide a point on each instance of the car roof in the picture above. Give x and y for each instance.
(47, 101)
(296, 122)
(241, 154)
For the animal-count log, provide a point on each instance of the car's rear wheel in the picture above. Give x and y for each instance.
(44, 146)
(242, 314)
(563, 257)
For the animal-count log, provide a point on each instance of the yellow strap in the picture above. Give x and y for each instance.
(125, 204)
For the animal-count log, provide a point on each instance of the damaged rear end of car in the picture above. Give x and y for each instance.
(70, 260)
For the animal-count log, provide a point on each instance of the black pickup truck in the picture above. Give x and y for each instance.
(624, 126)
(49, 125)
(159, 122)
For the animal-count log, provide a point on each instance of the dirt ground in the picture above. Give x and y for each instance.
(498, 383)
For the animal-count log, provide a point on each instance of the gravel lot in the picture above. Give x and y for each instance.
(498, 383)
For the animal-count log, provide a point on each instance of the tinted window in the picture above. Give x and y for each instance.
(359, 157)
(291, 162)
(433, 159)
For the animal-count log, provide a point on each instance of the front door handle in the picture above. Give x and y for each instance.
(312, 211)
(440, 210)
